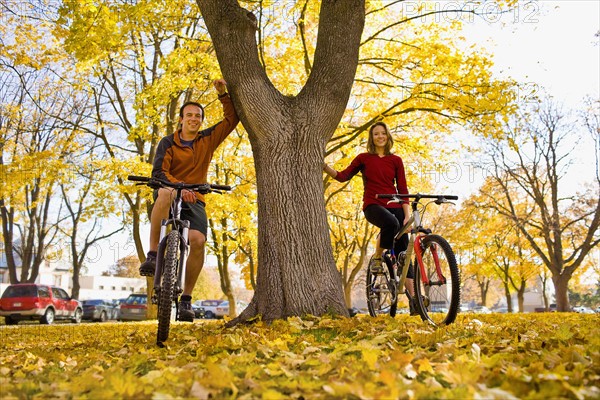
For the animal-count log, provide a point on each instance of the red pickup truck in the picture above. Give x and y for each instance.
(44, 303)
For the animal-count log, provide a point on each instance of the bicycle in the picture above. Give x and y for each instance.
(437, 277)
(172, 251)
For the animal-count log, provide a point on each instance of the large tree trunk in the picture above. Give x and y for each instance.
(561, 286)
(296, 271)
(484, 286)
(521, 296)
(508, 297)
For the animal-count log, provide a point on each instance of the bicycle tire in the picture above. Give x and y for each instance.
(438, 301)
(167, 286)
(381, 290)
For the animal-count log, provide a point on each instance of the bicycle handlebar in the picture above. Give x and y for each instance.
(418, 196)
(156, 183)
(136, 178)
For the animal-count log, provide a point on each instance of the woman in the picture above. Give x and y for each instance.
(382, 172)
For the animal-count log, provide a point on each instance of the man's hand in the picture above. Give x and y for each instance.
(220, 85)
(188, 196)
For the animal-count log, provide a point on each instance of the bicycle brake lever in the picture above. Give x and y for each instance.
(442, 201)
(393, 201)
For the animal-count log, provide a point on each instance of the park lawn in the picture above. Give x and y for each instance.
(501, 356)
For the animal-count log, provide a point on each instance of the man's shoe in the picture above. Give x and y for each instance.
(185, 311)
(375, 265)
(149, 266)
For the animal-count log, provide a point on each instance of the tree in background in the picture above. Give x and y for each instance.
(529, 162)
(232, 216)
(126, 267)
(47, 111)
(34, 146)
(141, 64)
(495, 248)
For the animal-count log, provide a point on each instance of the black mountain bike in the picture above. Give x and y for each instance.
(172, 251)
(437, 277)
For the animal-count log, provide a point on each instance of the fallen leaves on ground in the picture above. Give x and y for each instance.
(497, 356)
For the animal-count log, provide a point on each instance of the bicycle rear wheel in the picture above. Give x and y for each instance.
(382, 297)
(438, 292)
(167, 286)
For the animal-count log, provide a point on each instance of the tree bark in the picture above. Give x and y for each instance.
(508, 297)
(561, 287)
(484, 286)
(296, 271)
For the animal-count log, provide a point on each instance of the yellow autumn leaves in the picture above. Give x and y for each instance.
(486, 356)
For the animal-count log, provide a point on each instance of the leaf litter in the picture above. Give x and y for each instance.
(496, 356)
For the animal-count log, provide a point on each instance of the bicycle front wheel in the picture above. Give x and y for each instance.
(437, 282)
(167, 286)
(382, 297)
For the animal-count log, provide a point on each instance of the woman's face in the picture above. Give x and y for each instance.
(379, 136)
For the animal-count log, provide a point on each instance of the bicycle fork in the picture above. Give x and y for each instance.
(183, 254)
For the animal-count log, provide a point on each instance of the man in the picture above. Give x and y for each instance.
(185, 157)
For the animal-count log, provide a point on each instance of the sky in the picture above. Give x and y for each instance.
(549, 44)
(546, 43)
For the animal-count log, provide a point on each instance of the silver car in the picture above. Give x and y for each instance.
(134, 308)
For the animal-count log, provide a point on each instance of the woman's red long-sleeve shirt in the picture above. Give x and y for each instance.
(380, 175)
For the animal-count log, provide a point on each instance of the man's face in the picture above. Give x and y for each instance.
(192, 118)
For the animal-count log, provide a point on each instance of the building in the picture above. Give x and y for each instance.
(109, 287)
(91, 287)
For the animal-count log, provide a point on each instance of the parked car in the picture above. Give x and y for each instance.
(223, 308)
(117, 308)
(134, 308)
(583, 310)
(464, 309)
(98, 310)
(481, 310)
(44, 303)
(210, 307)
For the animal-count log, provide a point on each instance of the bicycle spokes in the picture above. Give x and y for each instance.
(382, 296)
(438, 278)
(437, 297)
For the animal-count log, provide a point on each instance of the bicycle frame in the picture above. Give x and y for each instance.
(435, 298)
(417, 233)
(167, 257)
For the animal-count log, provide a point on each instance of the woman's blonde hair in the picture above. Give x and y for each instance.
(388, 145)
